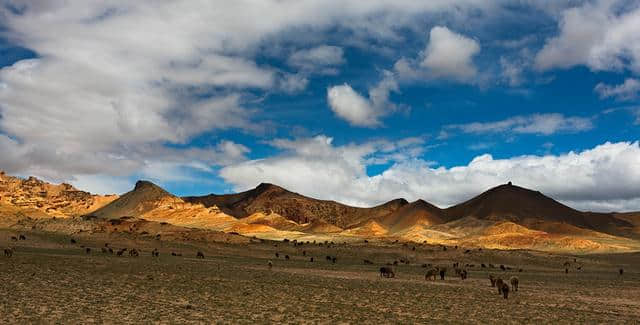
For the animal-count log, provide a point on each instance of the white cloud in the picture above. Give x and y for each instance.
(322, 59)
(543, 124)
(449, 54)
(628, 90)
(345, 102)
(602, 178)
(112, 79)
(602, 35)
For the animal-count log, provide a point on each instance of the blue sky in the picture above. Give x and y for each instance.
(358, 102)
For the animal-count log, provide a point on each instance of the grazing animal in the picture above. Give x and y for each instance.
(270, 265)
(395, 263)
(119, 253)
(334, 259)
(443, 271)
(463, 274)
(505, 291)
(87, 250)
(520, 270)
(277, 255)
(502, 267)
(387, 272)
(431, 274)
(173, 254)
(286, 257)
(200, 254)
(493, 280)
(514, 283)
(155, 253)
(22, 237)
(14, 238)
(566, 270)
(621, 271)
(499, 284)
(8, 252)
(110, 251)
(73, 241)
(311, 259)
(134, 253)
(483, 266)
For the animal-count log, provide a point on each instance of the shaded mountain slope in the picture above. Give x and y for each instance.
(293, 206)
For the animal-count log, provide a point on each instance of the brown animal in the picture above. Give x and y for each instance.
(22, 237)
(155, 253)
(119, 253)
(286, 257)
(334, 259)
(14, 238)
(73, 241)
(134, 253)
(463, 274)
(387, 272)
(431, 274)
(200, 254)
(493, 280)
(311, 259)
(87, 250)
(505, 291)
(514, 283)
(110, 251)
(8, 252)
(499, 284)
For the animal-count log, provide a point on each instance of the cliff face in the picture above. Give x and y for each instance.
(35, 195)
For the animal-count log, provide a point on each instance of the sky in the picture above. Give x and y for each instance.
(359, 102)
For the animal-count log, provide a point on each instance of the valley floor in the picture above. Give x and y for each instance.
(49, 280)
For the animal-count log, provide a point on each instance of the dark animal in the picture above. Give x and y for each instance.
(368, 262)
(463, 274)
(8, 252)
(311, 259)
(566, 270)
(304, 253)
(514, 283)
(87, 250)
(505, 291)
(493, 280)
(14, 238)
(22, 237)
(110, 251)
(621, 271)
(155, 253)
(443, 271)
(334, 259)
(73, 241)
(286, 257)
(200, 254)
(328, 258)
(499, 284)
(431, 274)
(502, 267)
(483, 266)
(387, 272)
(104, 250)
(277, 255)
(134, 253)
(119, 253)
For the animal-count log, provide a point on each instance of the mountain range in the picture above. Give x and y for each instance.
(506, 216)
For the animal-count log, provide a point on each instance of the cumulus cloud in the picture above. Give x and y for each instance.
(349, 105)
(449, 54)
(628, 90)
(602, 178)
(542, 124)
(602, 35)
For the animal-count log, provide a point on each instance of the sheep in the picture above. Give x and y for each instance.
(8, 252)
(493, 280)
(431, 274)
(200, 254)
(387, 272)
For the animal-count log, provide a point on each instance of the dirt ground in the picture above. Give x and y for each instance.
(50, 280)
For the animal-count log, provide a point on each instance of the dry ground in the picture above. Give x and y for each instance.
(49, 280)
